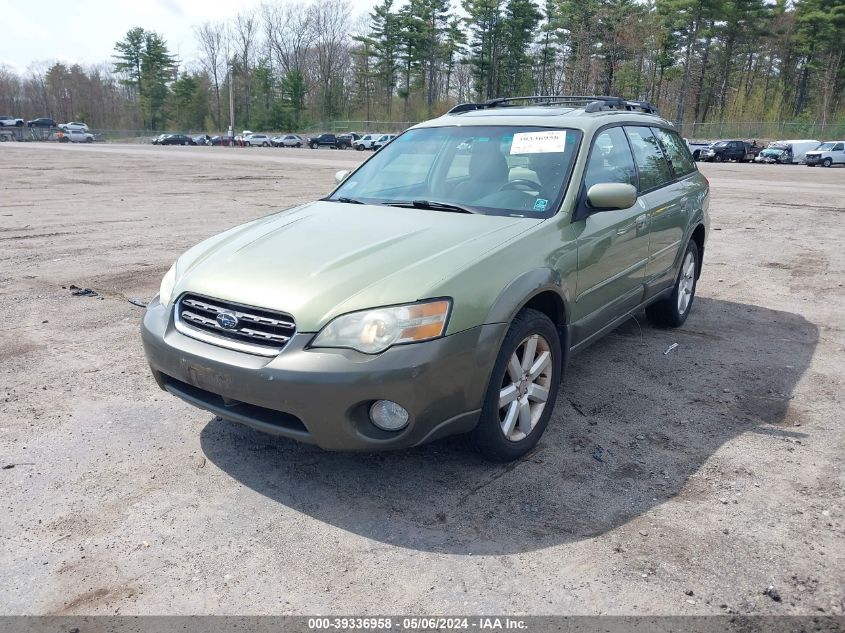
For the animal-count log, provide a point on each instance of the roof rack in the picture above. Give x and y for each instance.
(591, 103)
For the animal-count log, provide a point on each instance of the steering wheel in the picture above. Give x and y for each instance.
(525, 185)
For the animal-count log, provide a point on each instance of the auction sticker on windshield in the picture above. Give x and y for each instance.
(539, 142)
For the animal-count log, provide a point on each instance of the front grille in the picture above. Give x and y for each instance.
(253, 330)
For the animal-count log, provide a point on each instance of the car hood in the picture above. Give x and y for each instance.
(324, 259)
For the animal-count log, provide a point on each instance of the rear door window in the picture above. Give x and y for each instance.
(652, 166)
(676, 151)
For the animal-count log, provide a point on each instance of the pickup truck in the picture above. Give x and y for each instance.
(329, 140)
(721, 151)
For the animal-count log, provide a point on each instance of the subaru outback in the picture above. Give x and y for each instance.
(442, 286)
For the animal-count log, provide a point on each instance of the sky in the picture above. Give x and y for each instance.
(85, 31)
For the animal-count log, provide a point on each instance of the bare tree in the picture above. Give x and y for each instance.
(245, 43)
(331, 46)
(290, 33)
(211, 37)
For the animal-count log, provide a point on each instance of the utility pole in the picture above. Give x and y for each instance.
(231, 108)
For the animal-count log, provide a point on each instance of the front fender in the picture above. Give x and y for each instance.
(527, 286)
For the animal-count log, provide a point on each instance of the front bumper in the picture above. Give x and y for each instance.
(322, 396)
(813, 160)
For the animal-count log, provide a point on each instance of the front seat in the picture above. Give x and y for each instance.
(488, 171)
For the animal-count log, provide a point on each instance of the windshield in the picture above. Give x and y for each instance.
(826, 147)
(720, 144)
(519, 171)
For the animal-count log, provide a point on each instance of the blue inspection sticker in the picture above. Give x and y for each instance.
(540, 204)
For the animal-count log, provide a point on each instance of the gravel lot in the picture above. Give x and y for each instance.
(680, 483)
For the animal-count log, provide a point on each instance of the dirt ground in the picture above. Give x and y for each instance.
(679, 483)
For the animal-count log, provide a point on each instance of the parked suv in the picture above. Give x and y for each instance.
(41, 122)
(329, 140)
(720, 151)
(827, 154)
(74, 136)
(438, 291)
(287, 140)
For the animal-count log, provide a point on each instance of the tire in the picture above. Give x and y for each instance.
(360, 148)
(498, 435)
(718, 158)
(827, 162)
(265, 144)
(313, 146)
(298, 145)
(674, 309)
(696, 155)
(89, 140)
(343, 146)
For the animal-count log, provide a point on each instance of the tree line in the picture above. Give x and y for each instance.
(293, 64)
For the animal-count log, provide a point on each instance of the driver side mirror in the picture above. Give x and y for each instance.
(341, 175)
(610, 196)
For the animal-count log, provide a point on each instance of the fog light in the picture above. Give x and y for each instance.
(388, 415)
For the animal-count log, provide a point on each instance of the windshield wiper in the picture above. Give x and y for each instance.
(430, 204)
(346, 200)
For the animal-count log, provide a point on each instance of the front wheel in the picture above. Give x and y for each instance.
(313, 146)
(674, 309)
(718, 158)
(265, 144)
(298, 145)
(522, 390)
(360, 148)
(827, 162)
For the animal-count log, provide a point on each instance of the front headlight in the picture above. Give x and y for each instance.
(373, 331)
(165, 292)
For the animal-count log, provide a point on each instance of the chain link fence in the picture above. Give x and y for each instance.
(763, 130)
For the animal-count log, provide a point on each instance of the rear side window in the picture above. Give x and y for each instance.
(610, 160)
(652, 166)
(676, 151)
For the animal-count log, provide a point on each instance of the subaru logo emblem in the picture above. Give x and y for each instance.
(227, 320)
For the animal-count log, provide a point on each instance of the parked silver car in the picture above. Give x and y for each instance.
(287, 140)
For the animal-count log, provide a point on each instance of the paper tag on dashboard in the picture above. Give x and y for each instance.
(538, 142)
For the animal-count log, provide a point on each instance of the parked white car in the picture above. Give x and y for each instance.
(76, 136)
(251, 140)
(366, 141)
(10, 121)
(73, 125)
(287, 140)
(827, 154)
(381, 141)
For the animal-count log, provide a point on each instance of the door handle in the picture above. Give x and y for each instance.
(641, 221)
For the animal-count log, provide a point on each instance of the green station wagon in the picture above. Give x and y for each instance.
(441, 287)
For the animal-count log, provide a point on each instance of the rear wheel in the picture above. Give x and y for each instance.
(522, 390)
(313, 146)
(674, 309)
(298, 145)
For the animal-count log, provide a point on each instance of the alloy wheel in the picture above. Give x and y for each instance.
(525, 387)
(686, 283)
